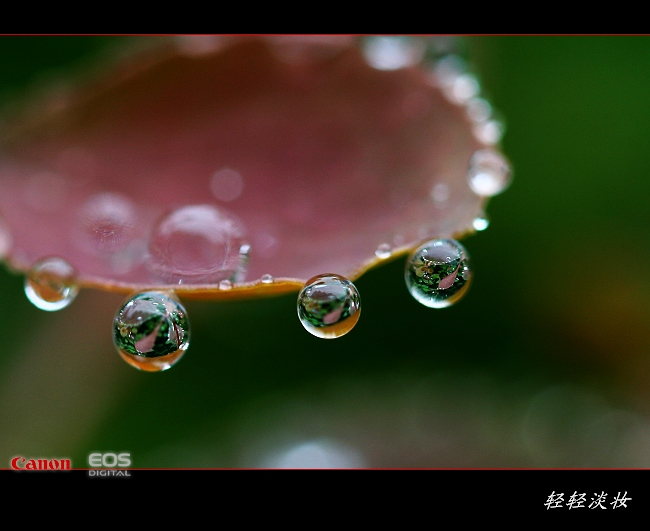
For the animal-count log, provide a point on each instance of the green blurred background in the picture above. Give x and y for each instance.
(545, 363)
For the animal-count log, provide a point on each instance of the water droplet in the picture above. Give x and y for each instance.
(489, 173)
(393, 53)
(225, 285)
(489, 132)
(478, 110)
(440, 193)
(383, 251)
(51, 284)
(266, 279)
(438, 273)
(329, 306)
(151, 331)
(226, 184)
(197, 244)
(6, 239)
(108, 221)
(464, 88)
(481, 222)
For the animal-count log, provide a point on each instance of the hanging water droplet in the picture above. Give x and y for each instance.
(481, 222)
(329, 306)
(198, 244)
(489, 173)
(383, 251)
(266, 279)
(151, 331)
(51, 284)
(225, 285)
(438, 273)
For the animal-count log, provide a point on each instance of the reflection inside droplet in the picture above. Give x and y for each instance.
(151, 331)
(266, 279)
(197, 244)
(51, 284)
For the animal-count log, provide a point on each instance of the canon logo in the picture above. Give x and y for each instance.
(20, 463)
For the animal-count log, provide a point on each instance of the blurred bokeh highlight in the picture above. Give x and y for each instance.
(544, 363)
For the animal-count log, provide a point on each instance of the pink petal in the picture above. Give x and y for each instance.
(318, 157)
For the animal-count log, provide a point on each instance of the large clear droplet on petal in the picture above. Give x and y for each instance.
(51, 284)
(151, 331)
(438, 273)
(197, 244)
(329, 306)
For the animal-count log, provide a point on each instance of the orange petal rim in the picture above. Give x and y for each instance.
(317, 154)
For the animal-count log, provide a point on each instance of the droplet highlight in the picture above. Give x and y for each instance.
(481, 222)
(438, 273)
(383, 251)
(329, 306)
(198, 244)
(151, 331)
(489, 173)
(51, 284)
(266, 279)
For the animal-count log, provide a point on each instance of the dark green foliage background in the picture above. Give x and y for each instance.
(564, 265)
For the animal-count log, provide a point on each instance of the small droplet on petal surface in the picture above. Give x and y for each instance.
(266, 279)
(108, 221)
(151, 331)
(197, 244)
(5, 240)
(383, 251)
(438, 273)
(489, 173)
(489, 132)
(329, 306)
(51, 284)
(481, 222)
(392, 53)
(225, 285)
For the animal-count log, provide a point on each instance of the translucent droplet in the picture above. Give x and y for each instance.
(266, 279)
(481, 222)
(51, 284)
(438, 273)
(478, 110)
(6, 240)
(151, 331)
(489, 132)
(225, 285)
(197, 244)
(383, 251)
(393, 53)
(329, 306)
(489, 173)
(108, 222)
